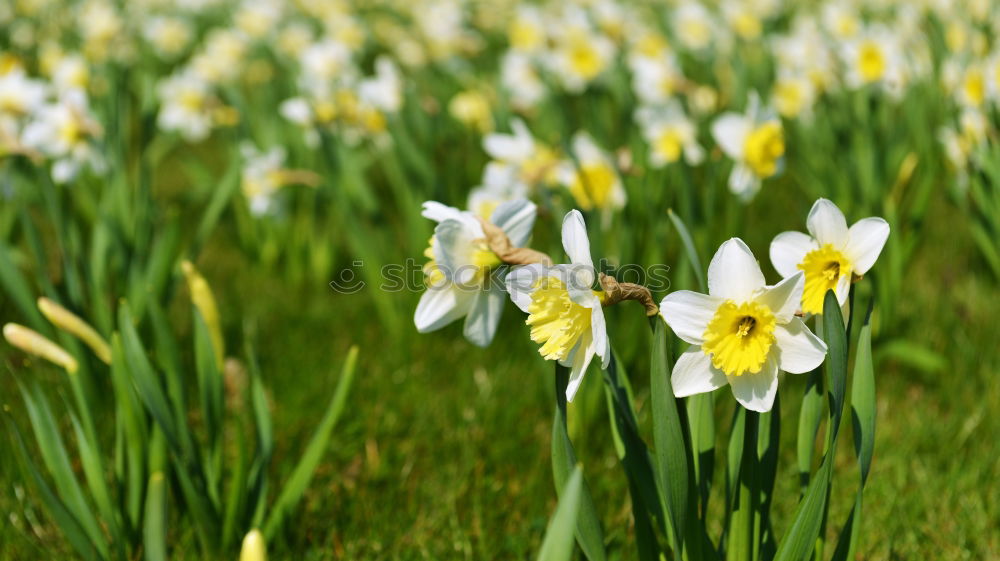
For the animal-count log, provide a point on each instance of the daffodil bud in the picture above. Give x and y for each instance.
(204, 301)
(254, 548)
(75, 326)
(35, 343)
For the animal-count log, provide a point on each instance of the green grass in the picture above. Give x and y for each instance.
(443, 451)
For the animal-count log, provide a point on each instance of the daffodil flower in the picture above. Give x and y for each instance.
(460, 272)
(831, 256)
(756, 143)
(742, 331)
(564, 311)
(592, 179)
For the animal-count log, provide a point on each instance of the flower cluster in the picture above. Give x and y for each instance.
(49, 117)
(742, 333)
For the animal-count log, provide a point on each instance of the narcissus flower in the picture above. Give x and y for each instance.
(756, 143)
(742, 331)
(460, 274)
(670, 135)
(831, 256)
(592, 179)
(564, 311)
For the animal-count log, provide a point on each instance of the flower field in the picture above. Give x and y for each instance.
(478, 279)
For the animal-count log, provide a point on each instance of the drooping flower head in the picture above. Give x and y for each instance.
(564, 311)
(742, 332)
(461, 267)
(831, 255)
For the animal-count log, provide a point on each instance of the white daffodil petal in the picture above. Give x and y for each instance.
(453, 251)
(484, 315)
(788, 249)
(575, 240)
(843, 289)
(827, 224)
(439, 212)
(730, 132)
(521, 283)
(599, 331)
(784, 298)
(799, 350)
(440, 306)
(581, 360)
(743, 182)
(756, 391)
(693, 374)
(688, 313)
(734, 273)
(866, 238)
(516, 218)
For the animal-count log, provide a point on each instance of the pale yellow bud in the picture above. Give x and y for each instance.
(204, 301)
(254, 548)
(75, 326)
(35, 343)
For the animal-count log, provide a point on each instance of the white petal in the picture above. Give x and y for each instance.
(730, 132)
(581, 360)
(453, 251)
(788, 249)
(521, 283)
(827, 224)
(688, 313)
(575, 240)
(438, 212)
(440, 306)
(693, 374)
(509, 147)
(784, 298)
(743, 182)
(734, 273)
(516, 218)
(799, 350)
(484, 315)
(756, 391)
(599, 331)
(865, 241)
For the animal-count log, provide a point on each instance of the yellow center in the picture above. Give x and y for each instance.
(763, 147)
(557, 322)
(871, 62)
(584, 60)
(11, 103)
(71, 132)
(739, 337)
(191, 99)
(524, 35)
(540, 167)
(482, 258)
(669, 145)
(823, 267)
(975, 87)
(652, 45)
(434, 275)
(593, 185)
(789, 98)
(747, 25)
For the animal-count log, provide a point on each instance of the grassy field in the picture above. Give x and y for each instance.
(194, 180)
(443, 452)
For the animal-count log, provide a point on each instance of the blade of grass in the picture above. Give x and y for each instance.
(296, 485)
(589, 533)
(558, 542)
(668, 438)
